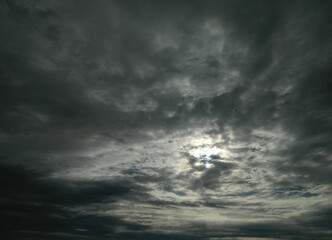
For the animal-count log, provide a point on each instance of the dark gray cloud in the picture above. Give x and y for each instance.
(37, 207)
(165, 120)
(214, 176)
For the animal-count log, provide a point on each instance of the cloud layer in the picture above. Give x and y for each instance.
(165, 120)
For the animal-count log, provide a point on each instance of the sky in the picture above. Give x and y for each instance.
(164, 120)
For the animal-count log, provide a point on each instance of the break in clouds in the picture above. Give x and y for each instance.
(165, 120)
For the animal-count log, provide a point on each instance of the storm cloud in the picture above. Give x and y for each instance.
(165, 119)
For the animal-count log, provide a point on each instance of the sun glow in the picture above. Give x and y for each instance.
(205, 155)
(206, 151)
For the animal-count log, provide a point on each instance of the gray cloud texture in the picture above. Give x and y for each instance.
(165, 119)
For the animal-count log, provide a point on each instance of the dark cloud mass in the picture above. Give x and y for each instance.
(165, 119)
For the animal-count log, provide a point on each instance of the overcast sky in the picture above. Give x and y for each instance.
(158, 120)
